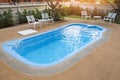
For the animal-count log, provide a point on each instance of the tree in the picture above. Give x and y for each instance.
(116, 6)
(55, 8)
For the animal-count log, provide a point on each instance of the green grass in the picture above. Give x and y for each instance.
(75, 16)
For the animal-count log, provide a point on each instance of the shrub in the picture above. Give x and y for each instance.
(6, 19)
(65, 11)
(1, 21)
(22, 15)
(37, 14)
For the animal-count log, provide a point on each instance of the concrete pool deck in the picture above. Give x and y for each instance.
(103, 63)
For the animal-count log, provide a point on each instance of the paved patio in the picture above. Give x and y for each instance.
(103, 63)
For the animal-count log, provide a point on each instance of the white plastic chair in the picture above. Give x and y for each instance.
(31, 20)
(85, 15)
(46, 17)
(110, 17)
(113, 17)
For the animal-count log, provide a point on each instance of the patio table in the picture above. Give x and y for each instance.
(97, 17)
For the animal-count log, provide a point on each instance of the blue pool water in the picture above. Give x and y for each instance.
(54, 46)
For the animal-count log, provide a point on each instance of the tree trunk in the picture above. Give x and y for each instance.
(54, 4)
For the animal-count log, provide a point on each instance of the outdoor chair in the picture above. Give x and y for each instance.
(31, 20)
(46, 17)
(85, 15)
(110, 17)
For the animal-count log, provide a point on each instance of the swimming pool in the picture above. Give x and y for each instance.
(55, 46)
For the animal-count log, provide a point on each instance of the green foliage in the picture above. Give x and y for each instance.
(47, 10)
(56, 9)
(21, 18)
(1, 21)
(65, 10)
(6, 19)
(57, 14)
(60, 13)
(118, 21)
(22, 15)
(37, 14)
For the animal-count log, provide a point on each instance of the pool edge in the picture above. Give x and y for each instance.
(32, 70)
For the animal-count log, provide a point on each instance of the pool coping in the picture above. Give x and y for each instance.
(36, 70)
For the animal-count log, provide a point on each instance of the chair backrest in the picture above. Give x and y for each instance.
(114, 15)
(45, 15)
(30, 19)
(85, 12)
(109, 15)
(82, 13)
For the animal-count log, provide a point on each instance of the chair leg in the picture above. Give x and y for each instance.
(40, 24)
(52, 21)
(110, 21)
(34, 26)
